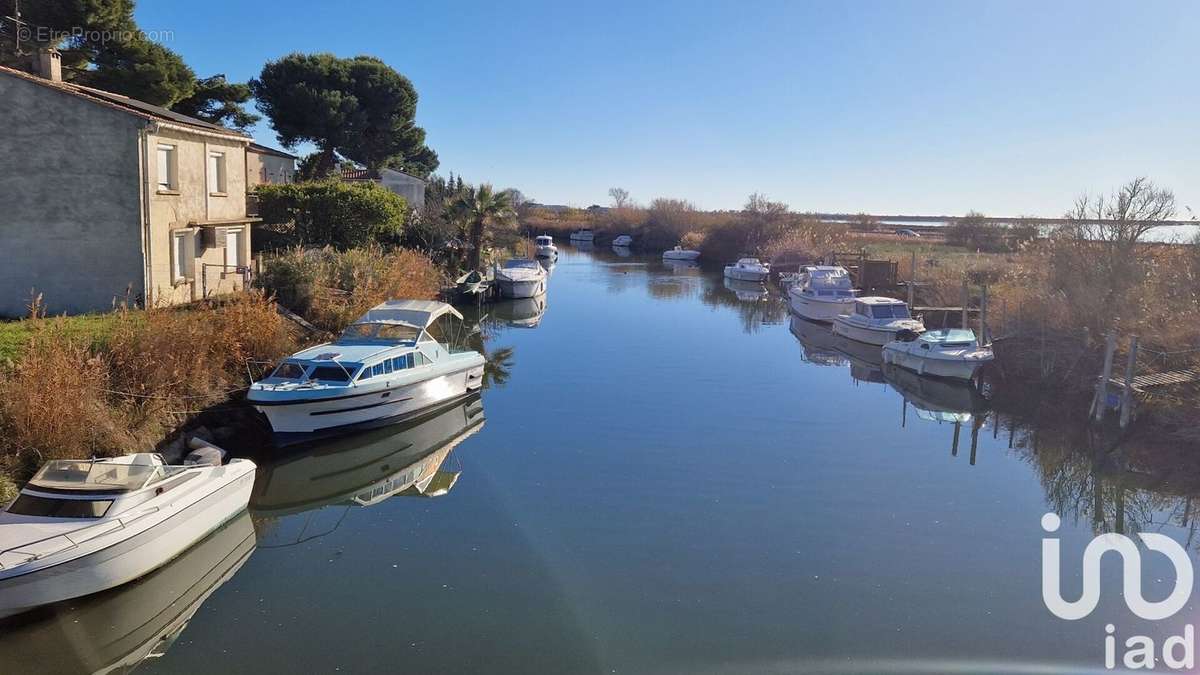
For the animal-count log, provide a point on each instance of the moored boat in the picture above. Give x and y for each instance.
(471, 284)
(545, 246)
(583, 234)
(521, 278)
(821, 293)
(392, 363)
(679, 253)
(83, 526)
(954, 354)
(876, 321)
(748, 269)
(623, 241)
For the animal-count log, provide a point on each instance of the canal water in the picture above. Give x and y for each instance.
(665, 474)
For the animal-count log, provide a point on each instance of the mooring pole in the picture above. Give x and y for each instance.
(1127, 394)
(965, 299)
(984, 337)
(1100, 401)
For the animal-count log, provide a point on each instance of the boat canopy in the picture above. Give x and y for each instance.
(418, 314)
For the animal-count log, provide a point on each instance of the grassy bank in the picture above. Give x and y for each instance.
(121, 382)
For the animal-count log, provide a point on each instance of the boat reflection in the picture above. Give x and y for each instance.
(682, 267)
(522, 313)
(621, 251)
(116, 630)
(746, 291)
(365, 469)
(940, 401)
(866, 361)
(817, 341)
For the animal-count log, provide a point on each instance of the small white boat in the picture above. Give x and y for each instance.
(83, 526)
(583, 234)
(678, 253)
(623, 240)
(876, 321)
(955, 353)
(545, 246)
(821, 293)
(748, 269)
(521, 278)
(470, 284)
(392, 363)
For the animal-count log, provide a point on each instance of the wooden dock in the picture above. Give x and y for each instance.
(1141, 384)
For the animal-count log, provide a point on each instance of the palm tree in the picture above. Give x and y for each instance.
(481, 207)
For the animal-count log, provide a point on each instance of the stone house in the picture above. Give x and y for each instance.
(104, 199)
(269, 166)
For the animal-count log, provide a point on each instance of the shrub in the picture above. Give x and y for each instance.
(333, 213)
(331, 288)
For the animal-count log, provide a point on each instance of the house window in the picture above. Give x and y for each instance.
(167, 169)
(233, 247)
(216, 173)
(183, 253)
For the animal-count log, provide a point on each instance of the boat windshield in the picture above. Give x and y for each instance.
(520, 263)
(51, 507)
(544, 241)
(956, 337)
(83, 475)
(889, 311)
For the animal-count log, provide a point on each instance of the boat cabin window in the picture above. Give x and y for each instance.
(331, 373)
(391, 332)
(520, 263)
(289, 371)
(420, 359)
(889, 311)
(402, 362)
(50, 507)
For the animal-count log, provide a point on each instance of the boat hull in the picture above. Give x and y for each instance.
(129, 559)
(297, 421)
(957, 369)
(745, 275)
(871, 336)
(522, 288)
(818, 310)
(547, 251)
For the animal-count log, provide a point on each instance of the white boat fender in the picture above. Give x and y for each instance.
(203, 453)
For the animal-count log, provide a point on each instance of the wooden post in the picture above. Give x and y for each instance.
(965, 299)
(1100, 400)
(954, 447)
(912, 279)
(984, 337)
(1127, 394)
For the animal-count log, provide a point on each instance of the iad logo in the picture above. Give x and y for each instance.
(1140, 649)
(1132, 559)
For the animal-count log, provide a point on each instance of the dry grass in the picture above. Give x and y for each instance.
(332, 288)
(70, 396)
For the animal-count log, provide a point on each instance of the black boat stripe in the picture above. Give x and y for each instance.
(361, 407)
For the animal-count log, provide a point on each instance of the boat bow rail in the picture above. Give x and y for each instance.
(58, 543)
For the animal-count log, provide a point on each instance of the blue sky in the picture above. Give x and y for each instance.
(1008, 108)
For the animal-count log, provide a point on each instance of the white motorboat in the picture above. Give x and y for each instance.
(748, 269)
(521, 278)
(623, 241)
(392, 363)
(545, 246)
(83, 526)
(876, 321)
(115, 630)
(679, 253)
(821, 293)
(471, 284)
(955, 353)
(583, 234)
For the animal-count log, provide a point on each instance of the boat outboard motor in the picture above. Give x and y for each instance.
(906, 335)
(203, 454)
